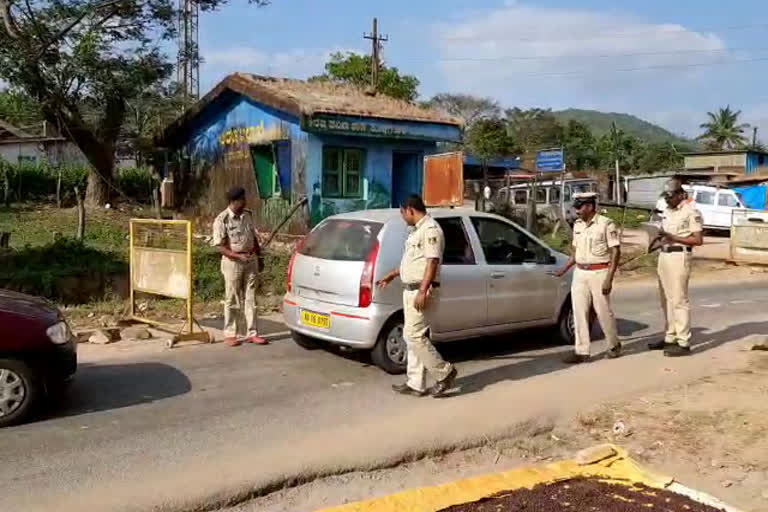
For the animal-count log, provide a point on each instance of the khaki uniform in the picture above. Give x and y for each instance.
(240, 278)
(592, 243)
(425, 242)
(675, 272)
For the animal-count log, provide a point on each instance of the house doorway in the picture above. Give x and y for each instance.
(406, 178)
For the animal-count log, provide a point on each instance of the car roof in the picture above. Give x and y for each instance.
(384, 215)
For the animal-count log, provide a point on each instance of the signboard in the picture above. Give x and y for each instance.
(444, 179)
(550, 160)
(371, 127)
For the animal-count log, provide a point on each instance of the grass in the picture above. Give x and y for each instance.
(47, 261)
(633, 218)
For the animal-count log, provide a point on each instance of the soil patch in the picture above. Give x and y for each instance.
(584, 494)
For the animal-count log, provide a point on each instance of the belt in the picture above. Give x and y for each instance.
(411, 287)
(676, 248)
(593, 266)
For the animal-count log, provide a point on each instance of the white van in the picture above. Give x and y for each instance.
(716, 204)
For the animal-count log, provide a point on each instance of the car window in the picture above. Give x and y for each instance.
(727, 199)
(705, 197)
(541, 195)
(521, 196)
(554, 195)
(504, 244)
(341, 240)
(458, 250)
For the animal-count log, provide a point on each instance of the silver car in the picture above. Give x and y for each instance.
(494, 279)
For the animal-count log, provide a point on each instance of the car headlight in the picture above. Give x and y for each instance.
(58, 333)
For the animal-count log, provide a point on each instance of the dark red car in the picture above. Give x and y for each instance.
(38, 354)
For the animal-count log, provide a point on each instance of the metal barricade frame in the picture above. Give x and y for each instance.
(187, 331)
(755, 251)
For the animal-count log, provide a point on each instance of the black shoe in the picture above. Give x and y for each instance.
(444, 385)
(574, 358)
(659, 345)
(405, 389)
(677, 351)
(614, 352)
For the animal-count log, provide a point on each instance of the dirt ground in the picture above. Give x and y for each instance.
(708, 434)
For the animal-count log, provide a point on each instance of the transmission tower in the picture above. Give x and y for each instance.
(188, 63)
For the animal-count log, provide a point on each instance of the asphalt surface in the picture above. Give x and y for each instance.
(150, 429)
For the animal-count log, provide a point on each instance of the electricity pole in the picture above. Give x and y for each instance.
(376, 40)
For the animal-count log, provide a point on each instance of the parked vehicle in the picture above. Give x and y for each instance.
(494, 279)
(716, 204)
(37, 354)
(547, 194)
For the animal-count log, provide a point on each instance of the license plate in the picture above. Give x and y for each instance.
(315, 319)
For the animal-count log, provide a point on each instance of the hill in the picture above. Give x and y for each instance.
(600, 123)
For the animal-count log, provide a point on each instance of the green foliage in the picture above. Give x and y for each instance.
(466, 107)
(533, 129)
(659, 157)
(723, 130)
(600, 124)
(355, 69)
(137, 183)
(487, 139)
(631, 219)
(581, 150)
(56, 270)
(19, 109)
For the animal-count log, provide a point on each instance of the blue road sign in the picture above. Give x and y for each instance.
(550, 160)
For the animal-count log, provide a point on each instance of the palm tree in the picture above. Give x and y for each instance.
(723, 130)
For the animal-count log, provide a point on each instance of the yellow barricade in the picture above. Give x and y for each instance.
(617, 468)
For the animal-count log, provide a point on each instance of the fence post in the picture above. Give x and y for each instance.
(80, 215)
(58, 188)
(156, 203)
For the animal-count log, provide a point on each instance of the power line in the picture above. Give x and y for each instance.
(376, 44)
(658, 30)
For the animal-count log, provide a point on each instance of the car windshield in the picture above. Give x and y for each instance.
(338, 239)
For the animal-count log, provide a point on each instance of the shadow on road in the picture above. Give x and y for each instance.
(702, 341)
(113, 386)
(265, 326)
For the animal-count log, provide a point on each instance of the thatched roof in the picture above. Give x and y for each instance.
(8, 131)
(302, 98)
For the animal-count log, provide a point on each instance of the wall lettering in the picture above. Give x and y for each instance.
(242, 135)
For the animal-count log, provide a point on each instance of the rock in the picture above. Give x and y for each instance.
(138, 332)
(621, 429)
(716, 464)
(107, 321)
(83, 336)
(105, 336)
(727, 483)
(595, 454)
(761, 345)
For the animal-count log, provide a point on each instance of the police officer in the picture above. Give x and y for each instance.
(235, 235)
(420, 274)
(681, 230)
(596, 251)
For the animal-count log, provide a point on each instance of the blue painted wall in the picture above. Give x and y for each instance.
(232, 123)
(755, 160)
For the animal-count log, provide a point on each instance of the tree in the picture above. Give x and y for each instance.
(487, 139)
(355, 69)
(147, 114)
(723, 130)
(661, 156)
(19, 109)
(70, 53)
(533, 129)
(466, 107)
(580, 147)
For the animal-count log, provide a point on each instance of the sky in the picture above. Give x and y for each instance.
(656, 59)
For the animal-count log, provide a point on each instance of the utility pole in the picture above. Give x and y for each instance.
(754, 137)
(376, 40)
(615, 136)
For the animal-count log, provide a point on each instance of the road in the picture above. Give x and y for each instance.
(164, 430)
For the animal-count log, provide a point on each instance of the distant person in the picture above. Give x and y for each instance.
(596, 252)
(681, 231)
(235, 235)
(420, 274)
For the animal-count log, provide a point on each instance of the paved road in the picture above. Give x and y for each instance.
(151, 429)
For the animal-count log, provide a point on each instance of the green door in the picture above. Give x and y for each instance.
(264, 165)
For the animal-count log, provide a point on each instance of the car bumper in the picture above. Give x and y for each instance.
(61, 362)
(350, 326)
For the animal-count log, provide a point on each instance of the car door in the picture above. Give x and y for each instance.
(463, 298)
(705, 202)
(726, 203)
(516, 270)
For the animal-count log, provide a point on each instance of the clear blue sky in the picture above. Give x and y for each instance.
(656, 59)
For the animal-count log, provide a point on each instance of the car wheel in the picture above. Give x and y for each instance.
(566, 326)
(305, 342)
(390, 353)
(19, 392)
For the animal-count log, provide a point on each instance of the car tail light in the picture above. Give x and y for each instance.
(366, 278)
(289, 274)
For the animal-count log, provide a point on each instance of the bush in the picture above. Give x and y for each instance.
(137, 183)
(66, 270)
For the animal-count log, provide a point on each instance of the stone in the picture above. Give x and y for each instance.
(595, 454)
(105, 336)
(83, 336)
(107, 321)
(727, 483)
(138, 332)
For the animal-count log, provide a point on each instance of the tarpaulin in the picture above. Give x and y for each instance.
(752, 197)
(615, 467)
